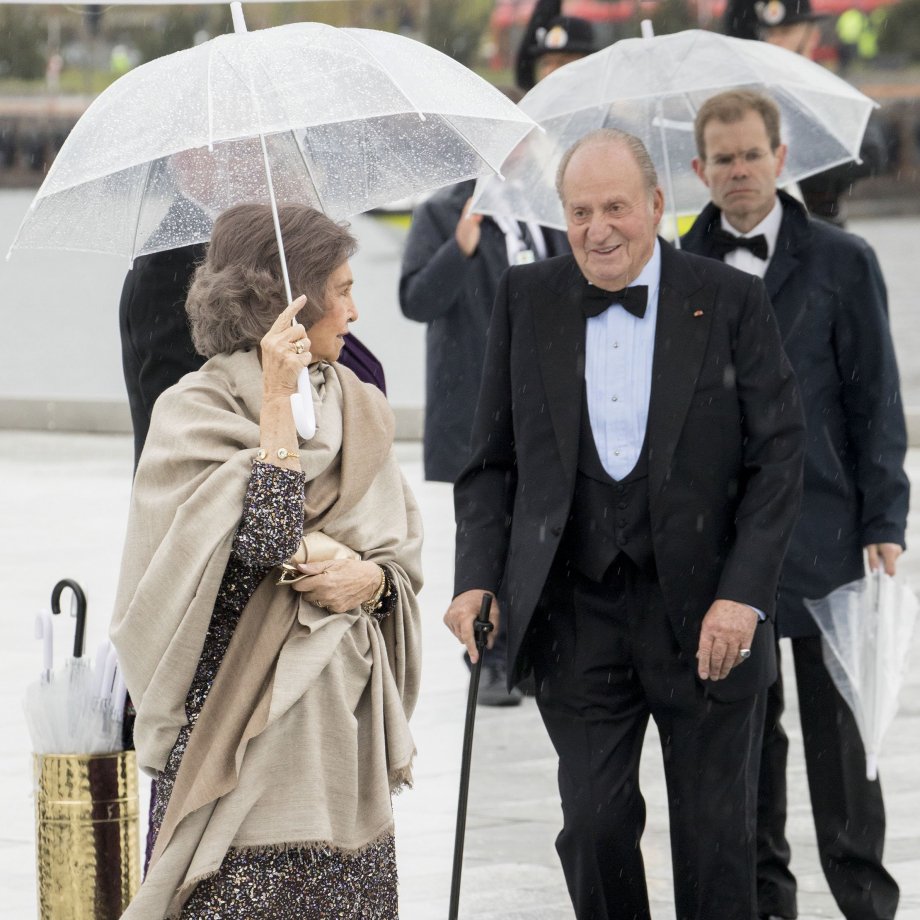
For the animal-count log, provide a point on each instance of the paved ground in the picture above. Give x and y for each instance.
(64, 499)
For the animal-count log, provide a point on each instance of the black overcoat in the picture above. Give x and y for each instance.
(827, 290)
(725, 443)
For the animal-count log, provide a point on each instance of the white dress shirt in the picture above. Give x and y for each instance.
(744, 258)
(619, 349)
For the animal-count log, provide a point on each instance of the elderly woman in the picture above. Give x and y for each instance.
(266, 618)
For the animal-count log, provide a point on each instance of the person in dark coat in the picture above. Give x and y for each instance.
(549, 42)
(830, 302)
(450, 271)
(156, 344)
(635, 475)
(795, 26)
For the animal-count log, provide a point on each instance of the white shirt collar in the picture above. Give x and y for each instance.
(769, 227)
(650, 275)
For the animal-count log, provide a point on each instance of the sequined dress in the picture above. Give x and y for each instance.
(306, 883)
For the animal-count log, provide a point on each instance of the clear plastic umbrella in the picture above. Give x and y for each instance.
(42, 709)
(653, 87)
(78, 707)
(342, 119)
(866, 627)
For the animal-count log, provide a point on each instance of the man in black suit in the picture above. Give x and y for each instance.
(829, 297)
(635, 475)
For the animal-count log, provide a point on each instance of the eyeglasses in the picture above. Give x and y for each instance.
(751, 157)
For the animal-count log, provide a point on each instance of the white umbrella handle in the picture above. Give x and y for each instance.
(44, 630)
(302, 406)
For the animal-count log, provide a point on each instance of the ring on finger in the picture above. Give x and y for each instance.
(744, 654)
(299, 347)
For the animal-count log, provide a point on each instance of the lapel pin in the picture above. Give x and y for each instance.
(697, 312)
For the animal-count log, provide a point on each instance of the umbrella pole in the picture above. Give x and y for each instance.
(301, 401)
(482, 628)
(648, 31)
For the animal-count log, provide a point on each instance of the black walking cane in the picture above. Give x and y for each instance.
(481, 627)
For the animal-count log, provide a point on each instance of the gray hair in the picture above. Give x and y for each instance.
(238, 291)
(614, 136)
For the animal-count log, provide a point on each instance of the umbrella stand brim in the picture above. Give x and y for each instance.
(482, 627)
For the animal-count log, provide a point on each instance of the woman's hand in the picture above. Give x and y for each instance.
(338, 585)
(285, 351)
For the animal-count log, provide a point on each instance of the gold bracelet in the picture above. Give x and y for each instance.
(282, 453)
(371, 604)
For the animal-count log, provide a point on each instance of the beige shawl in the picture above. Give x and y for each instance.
(305, 732)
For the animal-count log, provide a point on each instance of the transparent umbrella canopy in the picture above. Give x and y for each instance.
(866, 627)
(341, 119)
(653, 87)
(351, 118)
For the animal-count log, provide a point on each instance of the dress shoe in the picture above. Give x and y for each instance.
(493, 690)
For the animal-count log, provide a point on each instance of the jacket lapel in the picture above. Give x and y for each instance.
(685, 311)
(786, 259)
(794, 237)
(560, 333)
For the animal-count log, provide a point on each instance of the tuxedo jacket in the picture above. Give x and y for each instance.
(725, 444)
(831, 308)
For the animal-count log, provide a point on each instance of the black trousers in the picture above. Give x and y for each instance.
(605, 659)
(848, 810)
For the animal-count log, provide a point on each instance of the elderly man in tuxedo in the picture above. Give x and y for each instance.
(831, 308)
(635, 475)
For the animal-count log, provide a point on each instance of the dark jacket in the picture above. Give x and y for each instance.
(453, 294)
(832, 310)
(725, 448)
(156, 345)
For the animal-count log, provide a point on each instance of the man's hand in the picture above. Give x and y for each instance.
(468, 230)
(728, 627)
(883, 554)
(461, 614)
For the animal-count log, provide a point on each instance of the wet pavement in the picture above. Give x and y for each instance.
(64, 500)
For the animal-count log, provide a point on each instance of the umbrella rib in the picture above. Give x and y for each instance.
(384, 71)
(419, 112)
(306, 165)
(137, 222)
(304, 159)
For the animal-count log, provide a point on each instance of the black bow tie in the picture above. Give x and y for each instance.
(632, 299)
(724, 242)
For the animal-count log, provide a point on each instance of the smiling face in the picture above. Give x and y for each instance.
(611, 215)
(327, 335)
(740, 169)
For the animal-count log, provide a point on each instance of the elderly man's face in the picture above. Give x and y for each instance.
(611, 216)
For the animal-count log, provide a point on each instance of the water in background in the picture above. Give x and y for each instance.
(60, 315)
